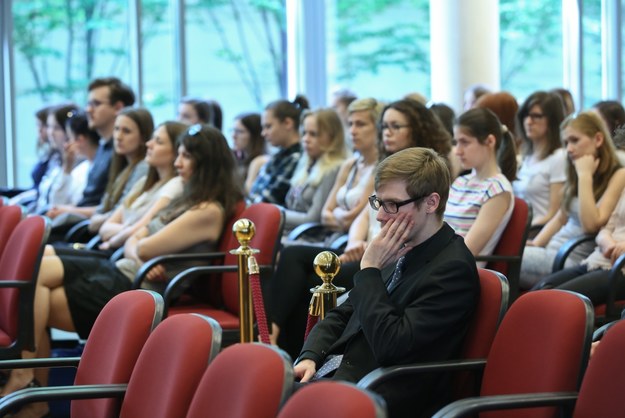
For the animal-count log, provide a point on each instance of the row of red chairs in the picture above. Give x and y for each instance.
(132, 366)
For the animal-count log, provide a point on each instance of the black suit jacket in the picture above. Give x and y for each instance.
(424, 318)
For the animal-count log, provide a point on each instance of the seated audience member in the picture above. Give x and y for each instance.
(324, 151)
(474, 92)
(480, 203)
(250, 151)
(405, 123)
(71, 291)
(416, 290)
(505, 106)
(590, 277)
(193, 110)
(567, 100)
(595, 180)
(613, 114)
(48, 190)
(341, 99)
(281, 121)
(354, 183)
(78, 155)
(133, 128)
(44, 154)
(542, 173)
(107, 96)
(148, 196)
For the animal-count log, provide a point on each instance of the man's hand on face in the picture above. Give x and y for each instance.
(390, 243)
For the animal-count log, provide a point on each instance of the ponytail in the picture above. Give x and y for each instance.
(506, 155)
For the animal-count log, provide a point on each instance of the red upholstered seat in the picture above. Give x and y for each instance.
(542, 345)
(111, 351)
(268, 221)
(508, 253)
(333, 399)
(244, 381)
(10, 216)
(19, 267)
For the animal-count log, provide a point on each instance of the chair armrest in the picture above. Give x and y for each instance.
(340, 242)
(492, 258)
(471, 406)
(567, 249)
(22, 397)
(190, 273)
(382, 375)
(94, 242)
(614, 278)
(78, 232)
(36, 363)
(15, 283)
(164, 259)
(302, 229)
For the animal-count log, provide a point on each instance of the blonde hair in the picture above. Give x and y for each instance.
(313, 172)
(590, 124)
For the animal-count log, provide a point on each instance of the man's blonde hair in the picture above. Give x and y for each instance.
(423, 170)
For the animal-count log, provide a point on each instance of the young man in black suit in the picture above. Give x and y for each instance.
(416, 291)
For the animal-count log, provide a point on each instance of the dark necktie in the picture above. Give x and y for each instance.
(399, 269)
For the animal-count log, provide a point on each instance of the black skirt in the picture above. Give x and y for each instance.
(89, 284)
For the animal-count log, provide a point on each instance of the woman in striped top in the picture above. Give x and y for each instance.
(481, 202)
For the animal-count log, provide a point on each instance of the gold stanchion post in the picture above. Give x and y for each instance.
(244, 231)
(327, 265)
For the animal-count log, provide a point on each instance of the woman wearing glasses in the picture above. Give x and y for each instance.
(70, 293)
(405, 123)
(480, 203)
(541, 175)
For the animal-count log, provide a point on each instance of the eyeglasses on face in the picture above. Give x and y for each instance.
(95, 103)
(535, 116)
(390, 207)
(392, 127)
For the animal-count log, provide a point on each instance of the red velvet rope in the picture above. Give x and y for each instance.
(310, 323)
(259, 308)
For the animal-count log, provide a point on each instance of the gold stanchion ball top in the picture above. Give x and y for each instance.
(244, 230)
(327, 264)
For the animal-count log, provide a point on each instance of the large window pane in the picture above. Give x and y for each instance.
(236, 53)
(591, 41)
(531, 45)
(60, 45)
(157, 49)
(379, 48)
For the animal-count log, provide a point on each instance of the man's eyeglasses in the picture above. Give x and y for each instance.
(535, 116)
(393, 127)
(390, 207)
(95, 103)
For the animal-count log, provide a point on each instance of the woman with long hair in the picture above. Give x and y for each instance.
(323, 142)
(71, 292)
(281, 121)
(250, 150)
(480, 203)
(594, 182)
(542, 174)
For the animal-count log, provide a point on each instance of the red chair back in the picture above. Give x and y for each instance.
(244, 381)
(170, 367)
(111, 351)
(542, 345)
(603, 387)
(511, 245)
(10, 216)
(20, 261)
(333, 399)
(492, 306)
(269, 224)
